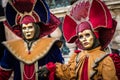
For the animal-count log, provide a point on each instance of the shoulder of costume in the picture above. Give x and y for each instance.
(39, 49)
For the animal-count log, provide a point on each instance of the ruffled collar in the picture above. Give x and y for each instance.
(39, 49)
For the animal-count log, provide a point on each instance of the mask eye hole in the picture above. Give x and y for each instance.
(80, 36)
(23, 28)
(30, 27)
(87, 35)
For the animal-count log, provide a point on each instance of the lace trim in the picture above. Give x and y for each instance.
(28, 78)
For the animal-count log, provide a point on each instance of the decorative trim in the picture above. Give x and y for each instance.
(36, 69)
(97, 61)
(5, 69)
(37, 51)
(21, 69)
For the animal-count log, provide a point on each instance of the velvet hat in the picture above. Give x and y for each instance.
(92, 12)
(18, 12)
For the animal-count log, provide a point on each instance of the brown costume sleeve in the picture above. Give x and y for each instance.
(67, 71)
(108, 72)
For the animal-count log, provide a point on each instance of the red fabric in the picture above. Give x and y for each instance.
(80, 10)
(69, 29)
(5, 75)
(106, 35)
(83, 26)
(47, 23)
(45, 29)
(23, 5)
(102, 23)
(29, 72)
(27, 19)
(84, 74)
(116, 60)
(51, 67)
(103, 17)
(77, 51)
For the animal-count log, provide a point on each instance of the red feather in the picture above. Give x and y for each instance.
(80, 10)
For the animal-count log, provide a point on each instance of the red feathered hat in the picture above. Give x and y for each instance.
(27, 11)
(93, 13)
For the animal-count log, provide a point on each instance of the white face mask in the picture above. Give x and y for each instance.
(28, 30)
(86, 38)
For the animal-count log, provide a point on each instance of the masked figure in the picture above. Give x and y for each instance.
(31, 20)
(90, 25)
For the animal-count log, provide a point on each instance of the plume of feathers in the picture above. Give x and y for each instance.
(80, 10)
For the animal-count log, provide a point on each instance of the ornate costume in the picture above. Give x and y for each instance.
(25, 56)
(88, 18)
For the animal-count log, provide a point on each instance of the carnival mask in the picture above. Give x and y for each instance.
(86, 38)
(28, 31)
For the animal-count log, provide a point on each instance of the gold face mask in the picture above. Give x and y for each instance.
(28, 30)
(86, 38)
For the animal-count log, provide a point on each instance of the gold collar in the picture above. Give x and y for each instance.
(38, 49)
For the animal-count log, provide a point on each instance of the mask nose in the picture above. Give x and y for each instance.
(84, 38)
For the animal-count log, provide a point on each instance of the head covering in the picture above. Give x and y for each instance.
(86, 26)
(30, 11)
(89, 13)
(83, 26)
(27, 19)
